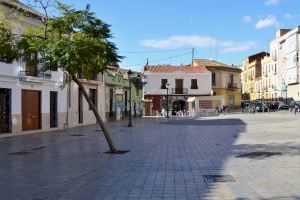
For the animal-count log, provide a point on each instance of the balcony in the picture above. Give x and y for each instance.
(179, 90)
(38, 74)
(231, 85)
(34, 69)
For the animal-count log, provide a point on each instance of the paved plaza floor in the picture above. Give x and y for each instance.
(237, 156)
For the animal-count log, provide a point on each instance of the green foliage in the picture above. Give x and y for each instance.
(137, 81)
(77, 42)
(7, 47)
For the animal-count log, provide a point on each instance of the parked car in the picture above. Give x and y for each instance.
(274, 105)
(282, 106)
(260, 107)
(295, 105)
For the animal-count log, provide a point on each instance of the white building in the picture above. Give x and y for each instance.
(284, 52)
(79, 111)
(182, 82)
(30, 98)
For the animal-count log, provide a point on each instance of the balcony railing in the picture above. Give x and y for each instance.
(179, 90)
(35, 70)
(39, 74)
(232, 85)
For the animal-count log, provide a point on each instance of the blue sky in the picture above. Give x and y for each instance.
(226, 30)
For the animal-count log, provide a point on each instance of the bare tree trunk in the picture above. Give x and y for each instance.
(98, 118)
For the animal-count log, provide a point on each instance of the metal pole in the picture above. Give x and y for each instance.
(167, 102)
(130, 120)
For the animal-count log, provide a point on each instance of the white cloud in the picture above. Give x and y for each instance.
(272, 2)
(288, 16)
(247, 19)
(270, 21)
(179, 41)
(233, 47)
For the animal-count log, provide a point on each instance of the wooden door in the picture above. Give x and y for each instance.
(53, 109)
(179, 86)
(31, 110)
(147, 108)
(5, 110)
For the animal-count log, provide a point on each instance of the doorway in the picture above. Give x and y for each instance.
(179, 105)
(53, 110)
(5, 110)
(31, 110)
(80, 107)
(178, 86)
(231, 103)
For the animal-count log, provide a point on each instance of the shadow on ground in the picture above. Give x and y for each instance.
(261, 151)
(165, 162)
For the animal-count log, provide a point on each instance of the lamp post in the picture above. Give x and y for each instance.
(129, 77)
(167, 87)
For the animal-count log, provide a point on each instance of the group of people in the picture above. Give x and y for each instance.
(221, 109)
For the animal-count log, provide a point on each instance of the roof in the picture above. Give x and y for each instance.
(171, 68)
(258, 56)
(17, 4)
(213, 63)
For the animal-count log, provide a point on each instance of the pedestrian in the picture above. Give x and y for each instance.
(296, 109)
(243, 106)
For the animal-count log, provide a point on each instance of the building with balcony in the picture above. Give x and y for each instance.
(252, 76)
(117, 90)
(285, 50)
(178, 83)
(226, 82)
(30, 98)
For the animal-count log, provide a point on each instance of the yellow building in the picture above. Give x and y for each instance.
(226, 81)
(252, 80)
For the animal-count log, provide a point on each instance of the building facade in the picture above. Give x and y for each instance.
(78, 110)
(285, 50)
(226, 82)
(180, 82)
(117, 103)
(252, 76)
(30, 98)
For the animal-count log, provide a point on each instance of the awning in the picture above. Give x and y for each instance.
(191, 99)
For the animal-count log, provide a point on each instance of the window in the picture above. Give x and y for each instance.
(164, 83)
(213, 78)
(194, 84)
(93, 96)
(231, 78)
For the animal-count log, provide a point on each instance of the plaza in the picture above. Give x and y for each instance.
(232, 156)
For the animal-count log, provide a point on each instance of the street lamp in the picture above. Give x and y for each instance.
(129, 77)
(167, 87)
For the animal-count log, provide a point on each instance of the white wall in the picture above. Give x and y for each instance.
(153, 80)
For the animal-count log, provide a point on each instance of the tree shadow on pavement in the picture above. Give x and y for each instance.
(261, 151)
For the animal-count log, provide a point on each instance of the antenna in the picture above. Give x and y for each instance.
(193, 54)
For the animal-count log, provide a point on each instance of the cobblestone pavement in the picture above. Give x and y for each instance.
(238, 156)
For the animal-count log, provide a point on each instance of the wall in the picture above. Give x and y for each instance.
(88, 115)
(153, 80)
(17, 86)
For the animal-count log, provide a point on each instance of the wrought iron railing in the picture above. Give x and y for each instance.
(179, 90)
(232, 85)
(38, 69)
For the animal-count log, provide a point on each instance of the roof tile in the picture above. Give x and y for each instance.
(171, 68)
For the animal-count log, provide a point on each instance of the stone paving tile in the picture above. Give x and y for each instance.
(167, 160)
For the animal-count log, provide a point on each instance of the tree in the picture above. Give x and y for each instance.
(75, 41)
